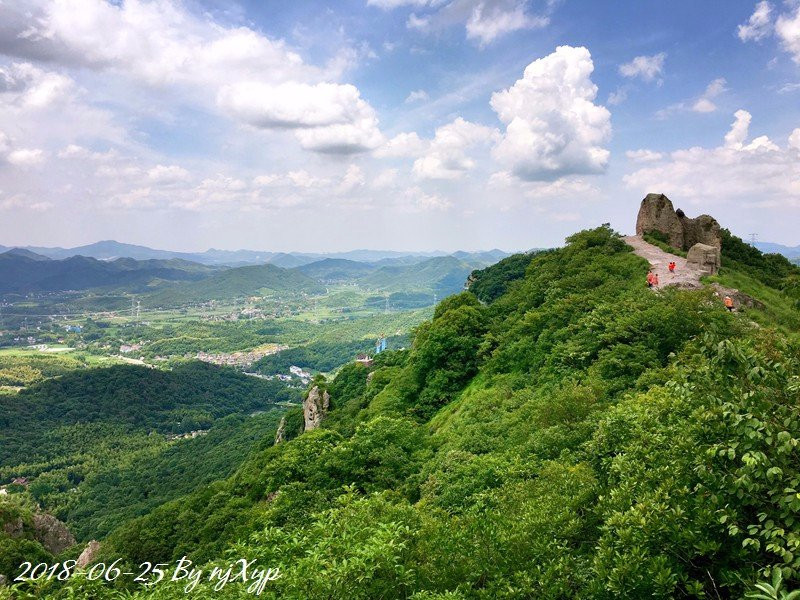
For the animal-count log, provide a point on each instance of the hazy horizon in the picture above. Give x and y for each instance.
(398, 250)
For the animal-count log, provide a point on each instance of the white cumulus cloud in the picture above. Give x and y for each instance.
(759, 24)
(403, 145)
(167, 174)
(750, 170)
(787, 28)
(491, 20)
(553, 127)
(484, 21)
(646, 68)
(328, 117)
(25, 157)
(446, 156)
(794, 139)
(705, 102)
(416, 96)
(28, 86)
(163, 46)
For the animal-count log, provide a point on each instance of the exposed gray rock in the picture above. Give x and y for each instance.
(740, 299)
(701, 230)
(280, 435)
(656, 213)
(705, 258)
(13, 527)
(89, 554)
(51, 533)
(470, 280)
(315, 407)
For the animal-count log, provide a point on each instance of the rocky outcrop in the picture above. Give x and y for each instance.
(470, 280)
(89, 554)
(280, 435)
(740, 299)
(704, 258)
(701, 230)
(51, 533)
(315, 407)
(656, 214)
(13, 527)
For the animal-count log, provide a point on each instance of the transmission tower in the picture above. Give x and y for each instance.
(753, 239)
(138, 309)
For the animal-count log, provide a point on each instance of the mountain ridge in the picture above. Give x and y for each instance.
(111, 249)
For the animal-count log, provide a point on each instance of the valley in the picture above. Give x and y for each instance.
(120, 392)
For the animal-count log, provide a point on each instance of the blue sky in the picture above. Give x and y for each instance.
(397, 124)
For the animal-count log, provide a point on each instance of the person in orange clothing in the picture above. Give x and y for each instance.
(650, 279)
(655, 279)
(728, 303)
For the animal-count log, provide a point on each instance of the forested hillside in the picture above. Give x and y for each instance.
(23, 272)
(443, 275)
(103, 445)
(560, 431)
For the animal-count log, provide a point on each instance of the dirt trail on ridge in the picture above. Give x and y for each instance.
(684, 276)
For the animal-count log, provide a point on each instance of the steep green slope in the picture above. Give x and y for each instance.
(577, 437)
(492, 282)
(141, 481)
(255, 280)
(178, 401)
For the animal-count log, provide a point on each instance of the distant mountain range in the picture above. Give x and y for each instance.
(442, 275)
(439, 275)
(110, 250)
(23, 272)
(173, 280)
(790, 252)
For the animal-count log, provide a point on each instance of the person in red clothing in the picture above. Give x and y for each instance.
(655, 279)
(672, 267)
(649, 279)
(728, 303)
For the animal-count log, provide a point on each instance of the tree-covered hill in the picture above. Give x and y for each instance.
(574, 435)
(104, 445)
(35, 424)
(21, 273)
(492, 282)
(336, 269)
(443, 275)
